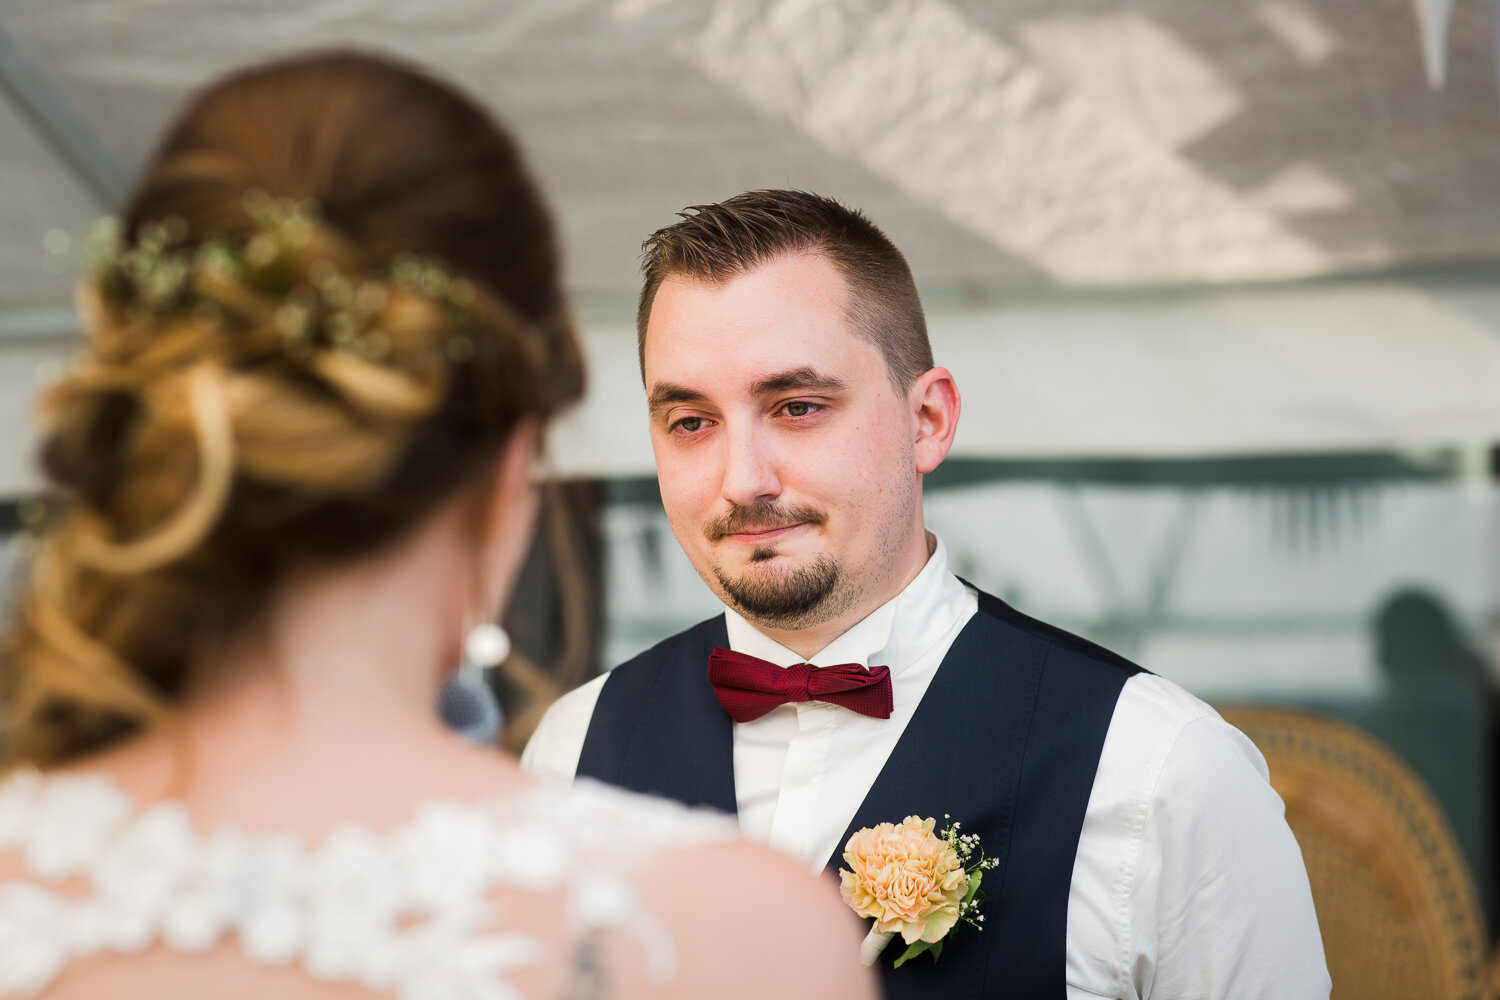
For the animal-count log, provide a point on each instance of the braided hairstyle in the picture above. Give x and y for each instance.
(336, 298)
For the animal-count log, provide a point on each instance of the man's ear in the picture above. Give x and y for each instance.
(934, 405)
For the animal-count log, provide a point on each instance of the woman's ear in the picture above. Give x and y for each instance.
(935, 404)
(509, 516)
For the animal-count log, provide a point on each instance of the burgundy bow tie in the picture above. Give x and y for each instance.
(749, 687)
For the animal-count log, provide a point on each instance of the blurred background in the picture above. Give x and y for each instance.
(1218, 283)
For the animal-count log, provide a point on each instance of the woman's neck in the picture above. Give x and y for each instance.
(335, 685)
(361, 646)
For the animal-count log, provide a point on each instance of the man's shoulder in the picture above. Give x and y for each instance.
(577, 705)
(552, 751)
(1153, 711)
(1164, 704)
(1056, 641)
(1160, 729)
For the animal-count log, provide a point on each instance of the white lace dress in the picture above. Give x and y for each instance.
(409, 911)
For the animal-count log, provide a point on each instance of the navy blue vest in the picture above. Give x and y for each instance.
(1006, 740)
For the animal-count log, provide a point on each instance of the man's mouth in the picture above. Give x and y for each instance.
(762, 523)
(759, 535)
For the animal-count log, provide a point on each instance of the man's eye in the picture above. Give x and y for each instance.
(798, 408)
(688, 424)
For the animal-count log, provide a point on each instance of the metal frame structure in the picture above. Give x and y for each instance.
(79, 151)
(76, 144)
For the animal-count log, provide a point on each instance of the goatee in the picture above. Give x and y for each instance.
(794, 599)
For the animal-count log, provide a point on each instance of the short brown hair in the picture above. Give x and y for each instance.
(716, 243)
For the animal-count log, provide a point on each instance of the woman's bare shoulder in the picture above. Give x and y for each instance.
(749, 922)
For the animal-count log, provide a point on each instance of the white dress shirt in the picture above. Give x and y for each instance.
(1187, 882)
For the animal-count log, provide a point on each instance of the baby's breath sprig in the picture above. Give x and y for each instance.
(967, 846)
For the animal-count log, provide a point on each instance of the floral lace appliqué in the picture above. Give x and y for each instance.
(409, 911)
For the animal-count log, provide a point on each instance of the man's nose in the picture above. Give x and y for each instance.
(749, 468)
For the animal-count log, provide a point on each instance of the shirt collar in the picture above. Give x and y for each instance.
(894, 635)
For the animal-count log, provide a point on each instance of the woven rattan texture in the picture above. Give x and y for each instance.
(1396, 903)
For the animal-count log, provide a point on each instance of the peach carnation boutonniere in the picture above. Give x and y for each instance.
(913, 882)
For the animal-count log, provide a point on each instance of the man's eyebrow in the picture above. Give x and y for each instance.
(798, 380)
(664, 394)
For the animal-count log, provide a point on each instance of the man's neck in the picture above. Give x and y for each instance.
(808, 642)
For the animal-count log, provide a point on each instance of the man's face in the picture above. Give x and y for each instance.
(785, 453)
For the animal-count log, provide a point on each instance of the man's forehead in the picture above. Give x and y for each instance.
(786, 282)
(766, 308)
(719, 365)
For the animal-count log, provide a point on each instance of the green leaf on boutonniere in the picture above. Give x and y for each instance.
(974, 896)
(916, 948)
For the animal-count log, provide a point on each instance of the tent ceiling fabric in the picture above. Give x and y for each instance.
(1147, 141)
(1006, 147)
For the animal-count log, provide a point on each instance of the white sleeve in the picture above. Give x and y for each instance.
(552, 752)
(1195, 885)
(1224, 898)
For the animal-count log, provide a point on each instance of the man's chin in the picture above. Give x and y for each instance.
(780, 591)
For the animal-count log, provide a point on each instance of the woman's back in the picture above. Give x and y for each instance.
(532, 892)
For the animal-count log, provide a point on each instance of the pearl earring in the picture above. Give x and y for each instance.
(486, 645)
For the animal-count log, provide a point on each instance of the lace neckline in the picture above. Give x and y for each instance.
(409, 911)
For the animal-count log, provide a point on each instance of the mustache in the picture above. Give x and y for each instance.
(763, 515)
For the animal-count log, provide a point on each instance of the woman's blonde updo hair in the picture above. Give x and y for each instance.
(337, 297)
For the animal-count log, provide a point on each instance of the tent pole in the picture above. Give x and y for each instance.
(40, 101)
